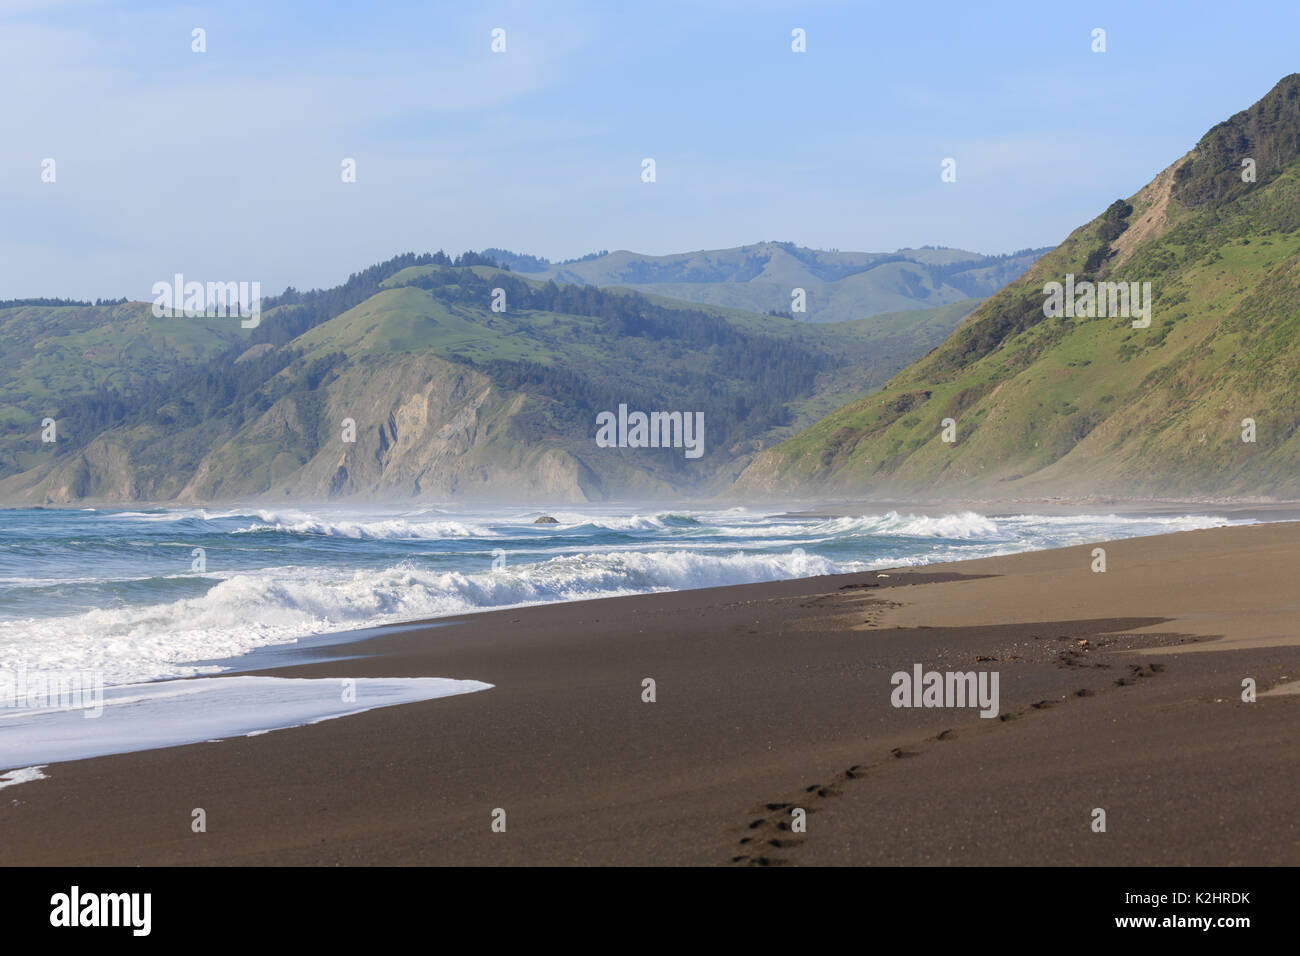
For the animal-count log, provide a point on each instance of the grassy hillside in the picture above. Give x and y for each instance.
(1052, 405)
(55, 356)
(447, 395)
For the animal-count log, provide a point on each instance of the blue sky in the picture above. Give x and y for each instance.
(225, 165)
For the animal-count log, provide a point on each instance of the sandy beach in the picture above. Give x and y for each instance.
(1119, 691)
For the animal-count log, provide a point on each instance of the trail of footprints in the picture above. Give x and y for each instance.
(770, 829)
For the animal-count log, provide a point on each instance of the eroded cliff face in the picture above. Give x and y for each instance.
(102, 471)
(420, 427)
(414, 426)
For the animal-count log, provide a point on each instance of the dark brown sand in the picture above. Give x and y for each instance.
(769, 697)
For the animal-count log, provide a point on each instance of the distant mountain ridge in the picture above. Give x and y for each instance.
(838, 286)
(1201, 402)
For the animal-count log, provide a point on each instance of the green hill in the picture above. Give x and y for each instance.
(446, 396)
(55, 356)
(1090, 404)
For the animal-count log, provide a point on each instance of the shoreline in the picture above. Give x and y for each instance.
(275, 655)
(783, 507)
(1059, 507)
(769, 695)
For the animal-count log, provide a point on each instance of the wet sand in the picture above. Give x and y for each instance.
(769, 697)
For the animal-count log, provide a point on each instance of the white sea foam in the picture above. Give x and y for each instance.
(244, 612)
(25, 775)
(171, 713)
(378, 527)
(568, 519)
(964, 526)
(1029, 530)
(279, 602)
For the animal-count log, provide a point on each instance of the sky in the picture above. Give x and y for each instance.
(226, 165)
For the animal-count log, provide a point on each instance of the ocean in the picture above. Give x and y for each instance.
(143, 595)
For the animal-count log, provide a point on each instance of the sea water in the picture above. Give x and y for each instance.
(141, 595)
